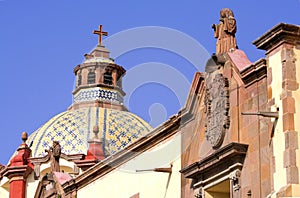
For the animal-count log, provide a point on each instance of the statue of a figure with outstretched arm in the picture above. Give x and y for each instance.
(54, 153)
(225, 32)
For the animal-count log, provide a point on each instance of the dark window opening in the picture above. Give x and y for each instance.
(91, 77)
(79, 80)
(108, 78)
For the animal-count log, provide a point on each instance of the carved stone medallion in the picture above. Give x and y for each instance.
(217, 108)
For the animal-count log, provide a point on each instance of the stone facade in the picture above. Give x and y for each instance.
(263, 99)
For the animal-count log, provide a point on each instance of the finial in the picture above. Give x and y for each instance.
(96, 131)
(100, 33)
(24, 136)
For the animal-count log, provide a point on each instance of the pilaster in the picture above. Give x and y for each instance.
(18, 170)
(280, 44)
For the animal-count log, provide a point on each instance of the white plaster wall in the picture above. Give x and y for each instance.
(126, 182)
(4, 187)
(3, 193)
(278, 140)
(296, 95)
(31, 185)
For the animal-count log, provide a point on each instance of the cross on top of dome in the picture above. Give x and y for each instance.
(100, 33)
(99, 79)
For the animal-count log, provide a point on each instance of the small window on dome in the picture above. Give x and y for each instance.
(108, 78)
(91, 77)
(79, 80)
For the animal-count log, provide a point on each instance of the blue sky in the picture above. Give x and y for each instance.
(42, 41)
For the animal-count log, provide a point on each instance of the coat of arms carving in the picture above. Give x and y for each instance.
(217, 108)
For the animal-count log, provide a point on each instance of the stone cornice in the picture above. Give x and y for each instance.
(119, 68)
(254, 72)
(281, 33)
(158, 135)
(197, 89)
(221, 159)
(17, 171)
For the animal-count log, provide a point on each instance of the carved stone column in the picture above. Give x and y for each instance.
(235, 184)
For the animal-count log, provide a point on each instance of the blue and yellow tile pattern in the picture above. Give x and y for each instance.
(98, 93)
(74, 128)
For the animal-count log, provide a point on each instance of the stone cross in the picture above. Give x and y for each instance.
(100, 33)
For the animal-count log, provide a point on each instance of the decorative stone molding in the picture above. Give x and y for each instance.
(235, 179)
(254, 72)
(220, 163)
(198, 193)
(217, 108)
(281, 33)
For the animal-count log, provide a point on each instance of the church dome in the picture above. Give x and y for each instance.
(97, 101)
(73, 128)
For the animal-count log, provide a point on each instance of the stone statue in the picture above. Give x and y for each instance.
(54, 153)
(225, 31)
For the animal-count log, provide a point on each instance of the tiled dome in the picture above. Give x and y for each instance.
(73, 129)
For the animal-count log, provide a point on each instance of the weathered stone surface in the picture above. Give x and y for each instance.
(225, 31)
(217, 108)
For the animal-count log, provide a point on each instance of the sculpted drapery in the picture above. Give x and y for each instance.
(54, 153)
(225, 32)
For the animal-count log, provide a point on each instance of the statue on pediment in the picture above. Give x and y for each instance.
(225, 32)
(54, 152)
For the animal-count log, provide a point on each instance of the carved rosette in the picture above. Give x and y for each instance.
(217, 108)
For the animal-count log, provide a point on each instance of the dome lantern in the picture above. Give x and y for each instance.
(99, 79)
